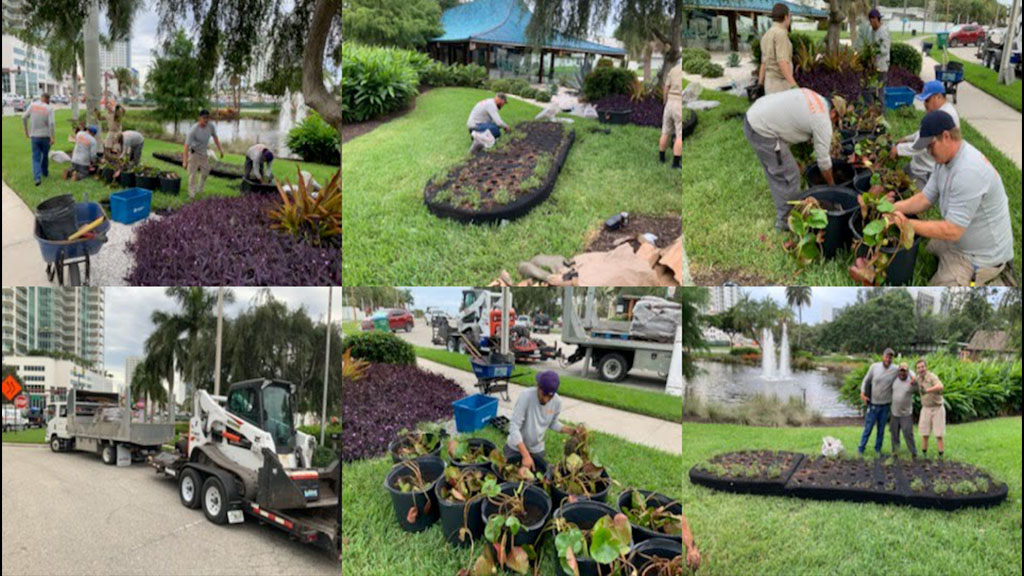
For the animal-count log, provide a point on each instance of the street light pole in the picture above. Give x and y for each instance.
(220, 341)
(327, 368)
(1007, 74)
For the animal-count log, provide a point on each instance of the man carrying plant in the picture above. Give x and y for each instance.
(672, 123)
(131, 143)
(974, 239)
(933, 409)
(776, 74)
(903, 410)
(259, 161)
(534, 414)
(876, 393)
(40, 129)
(195, 158)
(486, 116)
(882, 43)
(922, 164)
(776, 122)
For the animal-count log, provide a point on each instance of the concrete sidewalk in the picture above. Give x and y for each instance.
(644, 430)
(22, 263)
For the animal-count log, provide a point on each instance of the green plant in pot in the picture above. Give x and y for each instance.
(880, 232)
(512, 471)
(501, 553)
(894, 181)
(869, 153)
(646, 513)
(417, 443)
(462, 451)
(607, 544)
(807, 224)
(464, 486)
(413, 483)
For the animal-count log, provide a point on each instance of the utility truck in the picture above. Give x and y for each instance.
(479, 324)
(991, 51)
(243, 458)
(105, 424)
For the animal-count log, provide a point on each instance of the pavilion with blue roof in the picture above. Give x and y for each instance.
(732, 10)
(484, 31)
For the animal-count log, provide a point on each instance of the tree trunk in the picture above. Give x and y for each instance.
(315, 92)
(648, 54)
(672, 42)
(75, 94)
(835, 22)
(92, 62)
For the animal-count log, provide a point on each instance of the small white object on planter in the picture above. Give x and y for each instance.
(832, 447)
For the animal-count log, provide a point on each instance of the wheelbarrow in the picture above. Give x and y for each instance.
(493, 377)
(951, 75)
(65, 259)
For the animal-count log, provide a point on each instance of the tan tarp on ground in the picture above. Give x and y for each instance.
(646, 266)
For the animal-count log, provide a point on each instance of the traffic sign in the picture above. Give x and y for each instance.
(11, 388)
(21, 402)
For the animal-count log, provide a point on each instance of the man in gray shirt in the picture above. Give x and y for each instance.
(40, 129)
(85, 153)
(194, 156)
(486, 116)
(259, 163)
(876, 392)
(131, 144)
(903, 410)
(974, 240)
(535, 413)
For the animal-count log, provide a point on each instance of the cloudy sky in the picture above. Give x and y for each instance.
(128, 312)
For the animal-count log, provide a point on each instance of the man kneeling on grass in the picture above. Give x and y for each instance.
(876, 392)
(535, 413)
(85, 154)
(933, 409)
(486, 116)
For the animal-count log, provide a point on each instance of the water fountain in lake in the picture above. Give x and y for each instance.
(775, 364)
(768, 354)
(785, 362)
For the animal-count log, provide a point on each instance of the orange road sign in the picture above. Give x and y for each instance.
(11, 388)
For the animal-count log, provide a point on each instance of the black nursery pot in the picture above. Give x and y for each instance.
(901, 267)
(584, 515)
(615, 117)
(126, 180)
(539, 464)
(107, 175)
(401, 441)
(170, 186)
(150, 183)
(425, 502)
(535, 499)
(474, 443)
(558, 496)
(837, 234)
(455, 516)
(644, 553)
(843, 172)
(641, 534)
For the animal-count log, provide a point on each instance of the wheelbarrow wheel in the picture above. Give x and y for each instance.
(50, 273)
(74, 275)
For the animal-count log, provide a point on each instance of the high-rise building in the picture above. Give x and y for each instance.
(722, 299)
(928, 303)
(131, 363)
(118, 56)
(26, 70)
(62, 320)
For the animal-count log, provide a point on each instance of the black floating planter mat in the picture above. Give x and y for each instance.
(761, 472)
(218, 169)
(935, 484)
(689, 123)
(502, 184)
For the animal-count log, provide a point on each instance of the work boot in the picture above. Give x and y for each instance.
(661, 155)
(677, 162)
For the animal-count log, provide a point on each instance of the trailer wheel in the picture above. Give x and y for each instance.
(613, 368)
(109, 454)
(188, 489)
(215, 503)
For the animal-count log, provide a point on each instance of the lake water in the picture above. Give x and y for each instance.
(729, 385)
(243, 133)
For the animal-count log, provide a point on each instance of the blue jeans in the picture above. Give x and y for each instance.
(40, 158)
(877, 417)
(488, 127)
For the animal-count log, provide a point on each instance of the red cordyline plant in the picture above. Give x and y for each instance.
(311, 216)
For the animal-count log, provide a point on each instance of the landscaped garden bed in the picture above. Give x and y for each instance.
(219, 169)
(760, 472)
(506, 182)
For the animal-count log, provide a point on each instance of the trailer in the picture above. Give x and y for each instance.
(990, 53)
(106, 424)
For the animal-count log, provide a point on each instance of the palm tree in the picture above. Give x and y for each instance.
(147, 382)
(126, 82)
(798, 297)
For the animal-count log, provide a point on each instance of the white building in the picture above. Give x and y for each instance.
(61, 320)
(47, 379)
(723, 298)
(131, 363)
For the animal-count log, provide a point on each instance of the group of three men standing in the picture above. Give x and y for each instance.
(888, 392)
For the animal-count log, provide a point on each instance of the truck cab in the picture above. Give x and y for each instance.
(57, 426)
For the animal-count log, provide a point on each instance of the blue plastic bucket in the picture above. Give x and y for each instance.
(474, 412)
(130, 206)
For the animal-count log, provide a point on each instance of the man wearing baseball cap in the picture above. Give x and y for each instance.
(903, 388)
(876, 393)
(921, 162)
(535, 413)
(974, 240)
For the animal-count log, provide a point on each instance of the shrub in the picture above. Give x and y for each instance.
(898, 76)
(694, 60)
(316, 141)
(227, 242)
(509, 85)
(380, 348)
(437, 75)
(712, 70)
(316, 220)
(606, 82)
(906, 57)
(734, 60)
(801, 40)
(605, 63)
(745, 352)
(377, 81)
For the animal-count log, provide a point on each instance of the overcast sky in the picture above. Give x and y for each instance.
(128, 312)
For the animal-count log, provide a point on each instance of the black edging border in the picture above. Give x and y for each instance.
(689, 124)
(768, 487)
(510, 212)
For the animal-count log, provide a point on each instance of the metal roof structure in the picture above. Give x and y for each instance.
(756, 6)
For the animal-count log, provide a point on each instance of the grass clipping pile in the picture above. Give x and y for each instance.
(507, 182)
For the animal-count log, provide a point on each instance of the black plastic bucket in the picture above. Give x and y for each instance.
(837, 234)
(540, 465)
(455, 516)
(615, 117)
(584, 515)
(402, 440)
(126, 180)
(56, 218)
(150, 183)
(643, 553)
(107, 174)
(862, 183)
(843, 172)
(559, 497)
(641, 534)
(474, 443)
(901, 267)
(534, 497)
(170, 186)
(425, 502)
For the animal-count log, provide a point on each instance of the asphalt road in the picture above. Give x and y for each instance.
(421, 336)
(68, 514)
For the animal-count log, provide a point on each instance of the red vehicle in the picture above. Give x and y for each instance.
(967, 34)
(398, 320)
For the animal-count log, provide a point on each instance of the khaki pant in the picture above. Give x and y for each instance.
(198, 171)
(933, 422)
(774, 85)
(781, 170)
(956, 269)
(673, 119)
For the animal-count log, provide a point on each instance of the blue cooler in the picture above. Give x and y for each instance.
(474, 412)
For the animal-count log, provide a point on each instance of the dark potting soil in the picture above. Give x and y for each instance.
(667, 229)
(952, 478)
(534, 515)
(876, 476)
(760, 465)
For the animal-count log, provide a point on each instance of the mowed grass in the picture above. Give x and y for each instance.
(767, 536)
(17, 169)
(391, 238)
(729, 216)
(986, 80)
(34, 436)
(374, 545)
(632, 400)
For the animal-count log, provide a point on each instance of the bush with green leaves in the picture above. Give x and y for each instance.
(906, 57)
(608, 82)
(315, 141)
(518, 87)
(377, 81)
(438, 74)
(380, 348)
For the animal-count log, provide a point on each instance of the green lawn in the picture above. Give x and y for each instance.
(632, 400)
(986, 80)
(374, 545)
(391, 238)
(17, 169)
(779, 536)
(34, 436)
(730, 217)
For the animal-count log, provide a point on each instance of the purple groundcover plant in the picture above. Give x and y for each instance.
(387, 400)
(898, 77)
(850, 84)
(648, 112)
(228, 242)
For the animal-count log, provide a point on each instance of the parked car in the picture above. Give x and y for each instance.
(19, 105)
(967, 34)
(398, 320)
(524, 322)
(542, 324)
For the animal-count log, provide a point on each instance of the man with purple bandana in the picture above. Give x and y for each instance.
(534, 414)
